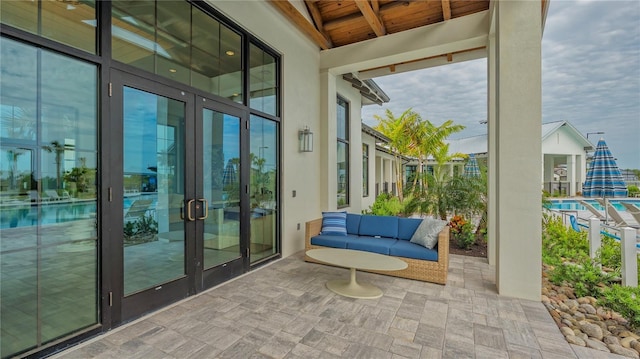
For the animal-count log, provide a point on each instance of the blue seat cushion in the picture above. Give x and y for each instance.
(411, 250)
(383, 226)
(372, 244)
(353, 223)
(333, 241)
(407, 227)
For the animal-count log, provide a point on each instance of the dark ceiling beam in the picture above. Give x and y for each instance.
(302, 23)
(315, 14)
(348, 20)
(371, 17)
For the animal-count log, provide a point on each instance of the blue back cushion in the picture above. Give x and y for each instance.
(407, 227)
(334, 223)
(353, 223)
(383, 226)
(332, 241)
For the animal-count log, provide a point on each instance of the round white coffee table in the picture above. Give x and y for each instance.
(354, 260)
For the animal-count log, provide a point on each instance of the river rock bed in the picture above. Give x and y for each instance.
(584, 323)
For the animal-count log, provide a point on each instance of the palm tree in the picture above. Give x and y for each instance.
(59, 149)
(436, 199)
(429, 139)
(398, 130)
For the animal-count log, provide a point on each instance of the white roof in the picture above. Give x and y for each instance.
(478, 144)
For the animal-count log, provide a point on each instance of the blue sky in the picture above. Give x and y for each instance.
(590, 77)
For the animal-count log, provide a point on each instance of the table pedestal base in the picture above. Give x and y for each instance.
(352, 289)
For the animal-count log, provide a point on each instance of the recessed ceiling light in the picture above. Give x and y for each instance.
(173, 71)
(70, 7)
(230, 53)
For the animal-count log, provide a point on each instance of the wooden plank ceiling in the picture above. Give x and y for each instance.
(343, 22)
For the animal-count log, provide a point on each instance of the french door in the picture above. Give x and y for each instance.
(178, 188)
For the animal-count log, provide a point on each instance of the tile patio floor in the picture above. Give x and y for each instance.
(284, 310)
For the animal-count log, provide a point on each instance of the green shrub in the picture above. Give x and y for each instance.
(385, 205)
(609, 254)
(586, 278)
(633, 190)
(560, 243)
(625, 301)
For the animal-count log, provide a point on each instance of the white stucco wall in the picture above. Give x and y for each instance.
(563, 147)
(301, 107)
(562, 142)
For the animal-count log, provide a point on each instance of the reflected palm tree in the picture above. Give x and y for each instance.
(59, 149)
(13, 156)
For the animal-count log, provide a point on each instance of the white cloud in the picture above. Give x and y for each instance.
(590, 77)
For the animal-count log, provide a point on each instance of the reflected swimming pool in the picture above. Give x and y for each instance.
(31, 214)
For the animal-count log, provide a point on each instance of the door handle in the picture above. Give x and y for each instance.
(206, 208)
(189, 215)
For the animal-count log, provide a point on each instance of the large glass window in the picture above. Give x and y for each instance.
(343, 152)
(48, 252)
(176, 40)
(70, 22)
(262, 81)
(263, 190)
(365, 170)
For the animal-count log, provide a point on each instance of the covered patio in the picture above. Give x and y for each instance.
(284, 310)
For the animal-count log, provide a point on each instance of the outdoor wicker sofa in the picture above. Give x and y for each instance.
(434, 270)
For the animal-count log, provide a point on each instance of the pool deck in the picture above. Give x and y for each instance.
(284, 310)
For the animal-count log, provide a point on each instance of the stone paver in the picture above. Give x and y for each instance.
(283, 310)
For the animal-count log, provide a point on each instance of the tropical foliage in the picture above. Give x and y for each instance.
(565, 253)
(411, 136)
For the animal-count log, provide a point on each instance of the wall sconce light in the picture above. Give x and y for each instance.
(306, 140)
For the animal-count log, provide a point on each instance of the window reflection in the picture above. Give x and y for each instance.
(263, 187)
(178, 41)
(263, 89)
(48, 208)
(70, 22)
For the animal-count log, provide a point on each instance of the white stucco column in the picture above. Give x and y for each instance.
(549, 165)
(518, 147)
(571, 174)
(492, 217)
(388, 174)
(327, 140)
(580, 172)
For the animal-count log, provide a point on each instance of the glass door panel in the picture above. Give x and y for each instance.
(221, 187)
(263, 190)
(153, 180)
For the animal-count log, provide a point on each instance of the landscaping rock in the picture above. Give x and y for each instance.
(611, 340)
(629, 353)
(626, 342)
(571, 303)
(588, 308)
(572, 339)
(591, 330)
(598, 345)
(582, 322)
(566, 331)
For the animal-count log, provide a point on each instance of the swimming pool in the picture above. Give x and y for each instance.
(573, 205)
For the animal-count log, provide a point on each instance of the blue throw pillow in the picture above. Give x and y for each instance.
(334, 223)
